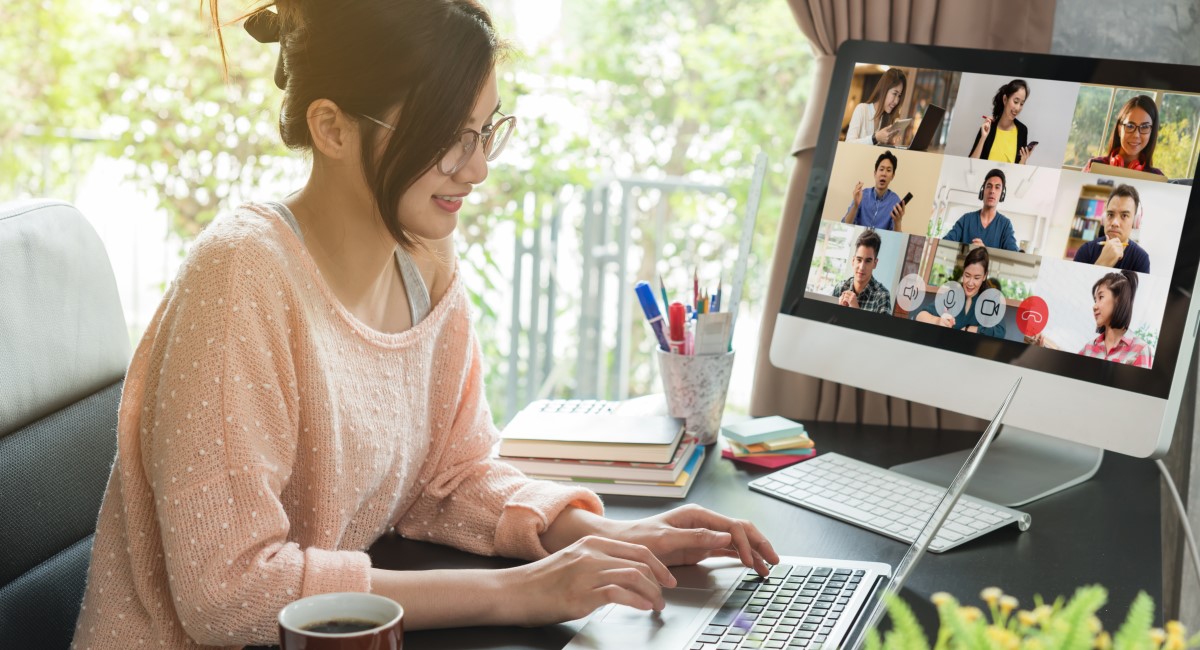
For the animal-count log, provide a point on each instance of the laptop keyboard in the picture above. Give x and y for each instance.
(576, 406)
(883, 501)
(794, 607)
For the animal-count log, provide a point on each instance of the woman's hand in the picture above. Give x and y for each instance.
(986, 127)
(885, 135)
(692, 533)
(946, 320)
(1023, 155)
(588, 574)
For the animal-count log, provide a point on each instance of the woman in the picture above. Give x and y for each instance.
(312, 380)
(1134, 137)
(872, 122)
(974, 279)
(1112, 309)
(1003, 137)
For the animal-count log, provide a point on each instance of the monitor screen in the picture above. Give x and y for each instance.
(1029, 210)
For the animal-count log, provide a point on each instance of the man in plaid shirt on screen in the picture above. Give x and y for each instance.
(863, 291)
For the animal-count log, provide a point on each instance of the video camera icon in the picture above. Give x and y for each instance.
(990, 308)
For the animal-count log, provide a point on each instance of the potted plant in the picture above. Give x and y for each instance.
(1061, 625)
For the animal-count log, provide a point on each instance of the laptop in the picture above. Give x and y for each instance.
(805, 603)
(929, 127)
(1123, 172)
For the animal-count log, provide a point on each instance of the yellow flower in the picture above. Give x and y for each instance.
(991, 595)
(1175, 628)
(970, 614)
(1008, 604)
(1003, 638)
(1158, 636)
(1027, 618)
(1103, 641)
(1042, 613)
(941, 598)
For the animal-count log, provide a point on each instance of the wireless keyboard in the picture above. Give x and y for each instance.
(883, 501)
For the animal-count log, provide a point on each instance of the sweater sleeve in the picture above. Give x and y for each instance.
(860, 126)
(472, 501)
(218, 441)
(1009, 240)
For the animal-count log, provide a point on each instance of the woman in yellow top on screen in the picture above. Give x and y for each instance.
(1133, 138)
(873, 121)
(1003, 137)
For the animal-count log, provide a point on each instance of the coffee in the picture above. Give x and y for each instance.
(341, 626)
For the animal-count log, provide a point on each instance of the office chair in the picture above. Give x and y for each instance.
(64, 348)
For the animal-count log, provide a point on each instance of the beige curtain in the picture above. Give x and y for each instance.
(1021, 25)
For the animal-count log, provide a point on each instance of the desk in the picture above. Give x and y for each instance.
(1105, 530)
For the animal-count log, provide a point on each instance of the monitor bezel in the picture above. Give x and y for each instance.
(1154, 382)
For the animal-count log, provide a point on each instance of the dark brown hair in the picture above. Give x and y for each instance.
(891, 78)
(870, 239)
(1123, 286)
(431, 58)
(1128, 191)
(1144, 102)
(978, 255)
(1007, 90)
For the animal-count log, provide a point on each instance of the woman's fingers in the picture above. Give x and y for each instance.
(635, 581)
(621, 596)
(636, 553)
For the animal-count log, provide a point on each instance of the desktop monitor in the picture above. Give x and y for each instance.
(1010, 259)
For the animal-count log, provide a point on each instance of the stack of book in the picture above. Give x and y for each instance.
(606, 453)
(770, 442)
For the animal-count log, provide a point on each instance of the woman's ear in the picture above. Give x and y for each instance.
(334, 134)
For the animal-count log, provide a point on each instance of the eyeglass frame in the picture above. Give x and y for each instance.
(1144, 128)
(481, 138)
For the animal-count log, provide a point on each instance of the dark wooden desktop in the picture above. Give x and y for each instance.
(1104, 531)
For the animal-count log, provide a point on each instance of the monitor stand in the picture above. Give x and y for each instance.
(1021, 466)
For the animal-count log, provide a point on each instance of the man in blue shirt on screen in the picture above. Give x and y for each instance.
(1115, 249)
(878, 208)
(986, 226)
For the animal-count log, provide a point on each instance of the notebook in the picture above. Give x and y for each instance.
(710, 607)
(593, 430)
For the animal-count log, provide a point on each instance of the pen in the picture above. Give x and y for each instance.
(650, 307)
(717, 300)
(662, 288)
(695, 289)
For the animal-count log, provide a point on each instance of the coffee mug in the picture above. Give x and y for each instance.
(342, 621)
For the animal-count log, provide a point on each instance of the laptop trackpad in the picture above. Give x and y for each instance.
(623, 626)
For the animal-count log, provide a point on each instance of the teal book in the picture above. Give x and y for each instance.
(759, 430)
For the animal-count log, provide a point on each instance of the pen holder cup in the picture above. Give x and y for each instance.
(696, 387)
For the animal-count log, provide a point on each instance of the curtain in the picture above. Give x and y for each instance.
(1020, 25)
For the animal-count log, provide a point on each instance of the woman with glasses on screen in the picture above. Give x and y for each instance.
(872, 122)
(1134, 138)
(312, 379)
(1003, 137)
(1112, 309)
(974, 279)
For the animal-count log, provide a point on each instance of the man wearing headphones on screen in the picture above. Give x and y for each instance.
(986, 226)
(1115, 249)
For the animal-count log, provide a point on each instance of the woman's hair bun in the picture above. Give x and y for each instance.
(263, 25)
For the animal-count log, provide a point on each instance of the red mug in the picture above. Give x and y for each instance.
(342, 621)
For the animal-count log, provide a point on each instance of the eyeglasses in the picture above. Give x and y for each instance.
(454, 157)
(1142, 128)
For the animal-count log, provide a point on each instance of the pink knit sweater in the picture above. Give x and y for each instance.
(266, 437)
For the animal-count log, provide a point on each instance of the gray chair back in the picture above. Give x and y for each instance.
(64, 348)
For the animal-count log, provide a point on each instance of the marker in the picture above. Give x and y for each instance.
(717, 300)
(650, 307)
(675, 314)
